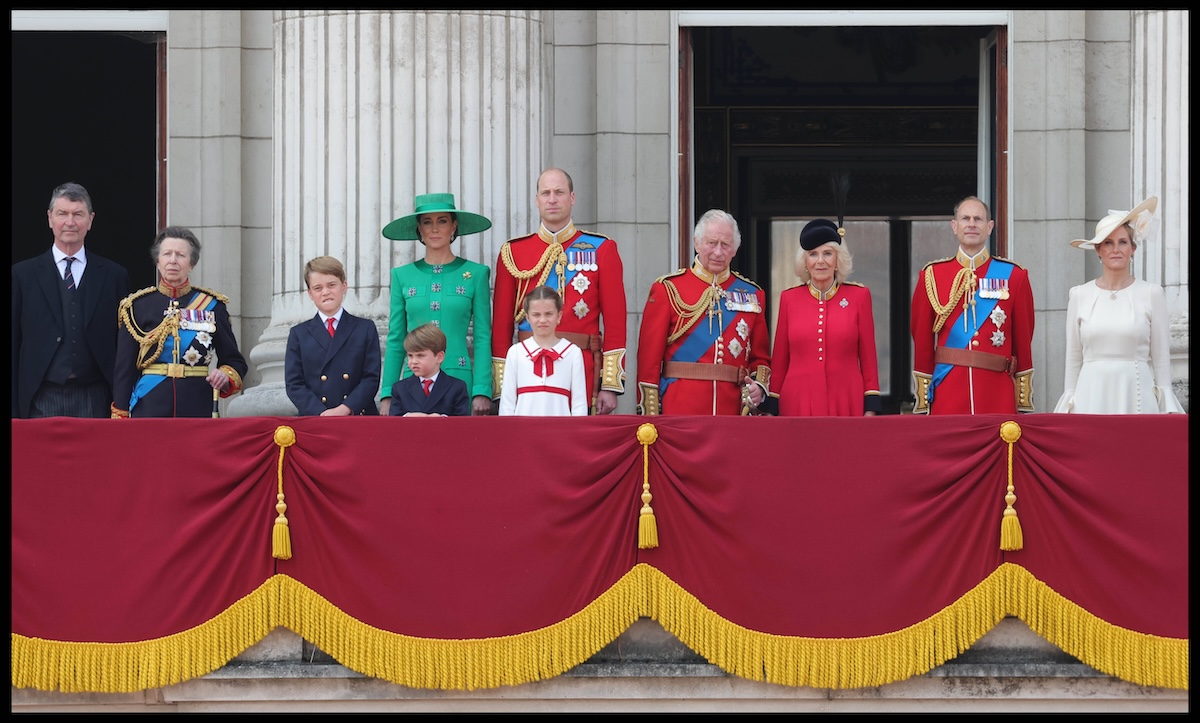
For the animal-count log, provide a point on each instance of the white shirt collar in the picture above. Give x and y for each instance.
(80, 257)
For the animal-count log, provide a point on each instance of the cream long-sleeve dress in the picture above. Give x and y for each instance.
(1118, 352)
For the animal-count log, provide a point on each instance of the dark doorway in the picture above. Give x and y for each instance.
(779, 111)
(85, 109)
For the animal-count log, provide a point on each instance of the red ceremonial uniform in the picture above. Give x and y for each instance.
(823, 359)
(700, 337)
(586, 269)
(951, 327)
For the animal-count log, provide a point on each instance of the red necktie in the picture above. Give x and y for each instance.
(329, 323)
(427, 383)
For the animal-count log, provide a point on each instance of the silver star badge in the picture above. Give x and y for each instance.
(743, 330)
(997, 338)
(999, 317)
(581, 309)
(581, 283)
(735, 348)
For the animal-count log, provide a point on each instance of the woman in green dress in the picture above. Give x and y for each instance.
(443, 289)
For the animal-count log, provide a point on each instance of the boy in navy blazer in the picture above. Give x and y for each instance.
(333, 363)
(428, 392)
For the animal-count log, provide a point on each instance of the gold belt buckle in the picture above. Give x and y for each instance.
(175, 371)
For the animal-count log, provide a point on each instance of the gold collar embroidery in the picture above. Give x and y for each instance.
(707, 276)
(560, 237)
(975, 262)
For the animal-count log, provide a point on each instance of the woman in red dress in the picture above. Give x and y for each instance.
(823, 362)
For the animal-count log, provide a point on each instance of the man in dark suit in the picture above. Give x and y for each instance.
(428, 392)
(64, 318)
(333, 361)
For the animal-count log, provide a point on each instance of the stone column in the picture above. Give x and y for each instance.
(1161, 55)
(371, 109)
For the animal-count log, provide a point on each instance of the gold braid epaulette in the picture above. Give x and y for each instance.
(748, 281)
(964, 281)
(593, 233)
(154, 338)
(664, 277)
(216, 295)
(554, 252)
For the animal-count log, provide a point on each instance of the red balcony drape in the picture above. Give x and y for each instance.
(475, 552)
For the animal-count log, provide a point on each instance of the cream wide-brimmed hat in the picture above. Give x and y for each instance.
(405, 227)
(1140, 217)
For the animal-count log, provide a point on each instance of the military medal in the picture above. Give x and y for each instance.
(197, 320)
(993, 288)
(581, 261)
(736, 300)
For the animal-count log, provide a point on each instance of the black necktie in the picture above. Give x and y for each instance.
(69, 277)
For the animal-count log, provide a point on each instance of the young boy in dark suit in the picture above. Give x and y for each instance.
(333, 363)
(428, 392)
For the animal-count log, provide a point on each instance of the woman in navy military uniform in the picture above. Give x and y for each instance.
(179, 351)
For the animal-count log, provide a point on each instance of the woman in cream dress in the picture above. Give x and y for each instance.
(1118, 343)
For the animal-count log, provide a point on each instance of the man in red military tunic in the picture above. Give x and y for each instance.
(704, 345)
(972, 326)
(586, 270)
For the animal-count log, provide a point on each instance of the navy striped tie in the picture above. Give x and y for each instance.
(69, 277)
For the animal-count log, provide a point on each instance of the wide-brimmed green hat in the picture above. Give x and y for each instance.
(405, 227)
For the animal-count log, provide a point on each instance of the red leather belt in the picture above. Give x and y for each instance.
(974, 359)
(705, 372)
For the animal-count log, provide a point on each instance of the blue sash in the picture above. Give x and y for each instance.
(149, 381)
(958, 338)
(569, 274)
(701, 339)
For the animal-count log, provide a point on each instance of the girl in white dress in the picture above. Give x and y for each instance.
(1118, 342)
(543, 375)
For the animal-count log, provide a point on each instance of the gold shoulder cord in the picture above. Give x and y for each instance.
(156, 337)
(964, 281)
(554, 255)
(689, 314)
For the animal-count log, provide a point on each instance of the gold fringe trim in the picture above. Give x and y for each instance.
(644, 591)
(836, 663)
(463, 664)
(281, 537)
(129, 667)
(647, 435)
(1011, 537)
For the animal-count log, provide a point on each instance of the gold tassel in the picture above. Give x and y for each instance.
(647, 434)
(281, 538)
(1011, 537)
